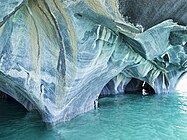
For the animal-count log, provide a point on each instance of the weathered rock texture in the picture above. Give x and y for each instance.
(57, 56)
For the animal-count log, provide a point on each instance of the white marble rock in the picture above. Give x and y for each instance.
(58, 56)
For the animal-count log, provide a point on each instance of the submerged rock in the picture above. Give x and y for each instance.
(58, 56)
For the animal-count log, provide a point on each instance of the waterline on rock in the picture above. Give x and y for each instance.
(130, 116)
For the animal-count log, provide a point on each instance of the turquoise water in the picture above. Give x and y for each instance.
(128, 117)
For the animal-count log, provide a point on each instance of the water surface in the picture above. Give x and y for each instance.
(128, 117)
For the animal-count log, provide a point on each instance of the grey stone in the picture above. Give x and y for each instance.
(59, 56)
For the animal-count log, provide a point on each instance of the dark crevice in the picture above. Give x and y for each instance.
(136, 86)
(3, 95)
(10, 109)
(11, 100)
(185, 48)
(166, 58)
(77, 15)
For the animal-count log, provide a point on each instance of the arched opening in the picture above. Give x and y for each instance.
(136, 86)
(10, 109)
(3, 96)
(15, 101)
(10, 88)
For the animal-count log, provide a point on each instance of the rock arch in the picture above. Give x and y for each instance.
(11, 88)
(57, 56)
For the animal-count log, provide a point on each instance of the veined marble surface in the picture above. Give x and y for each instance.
(58, 56)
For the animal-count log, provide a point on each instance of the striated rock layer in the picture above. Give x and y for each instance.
(58, 56)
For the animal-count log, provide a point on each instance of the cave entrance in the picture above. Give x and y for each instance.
(3, 96)
(136, 86)
(10, 109)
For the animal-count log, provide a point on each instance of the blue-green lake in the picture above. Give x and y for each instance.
(124, 117)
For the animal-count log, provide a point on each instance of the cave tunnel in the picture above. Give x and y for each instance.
(136, 86)
(10, 109)
(3, 95)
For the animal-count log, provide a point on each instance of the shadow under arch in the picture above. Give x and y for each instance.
(136, 86)
(10, 109)
(12, 89)
(132, 86)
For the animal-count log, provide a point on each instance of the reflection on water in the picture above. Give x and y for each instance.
(121, 117)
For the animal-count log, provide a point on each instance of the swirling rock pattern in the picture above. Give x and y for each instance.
(58, 56)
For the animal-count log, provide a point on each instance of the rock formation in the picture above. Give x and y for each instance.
(59, 56)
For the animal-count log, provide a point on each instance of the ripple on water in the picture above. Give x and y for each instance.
(122, 117)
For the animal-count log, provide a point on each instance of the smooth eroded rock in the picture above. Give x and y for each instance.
(59, 56)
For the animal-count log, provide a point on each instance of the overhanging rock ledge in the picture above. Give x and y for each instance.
(59, 56)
